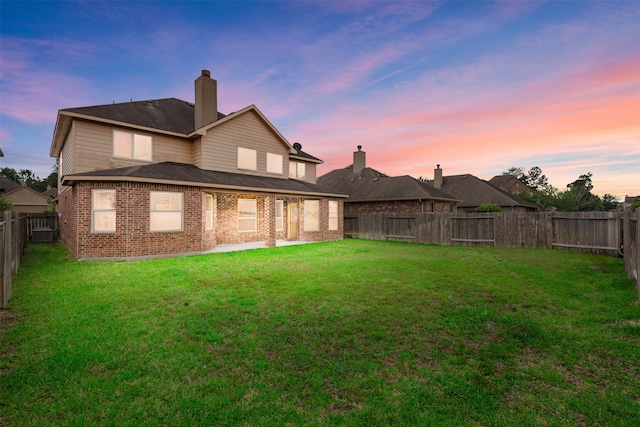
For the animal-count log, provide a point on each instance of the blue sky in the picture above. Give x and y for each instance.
(477, 87)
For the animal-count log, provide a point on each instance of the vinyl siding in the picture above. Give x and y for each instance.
(67, 152)
(220, 145)
(94, 149)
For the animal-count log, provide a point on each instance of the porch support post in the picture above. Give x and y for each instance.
(270, 213)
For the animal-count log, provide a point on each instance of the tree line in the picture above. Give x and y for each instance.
(577, 197)
(32, 180)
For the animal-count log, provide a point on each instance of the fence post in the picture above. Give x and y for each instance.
(7, 245)
(636, 261)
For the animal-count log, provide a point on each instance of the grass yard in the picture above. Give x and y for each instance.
(352, 332)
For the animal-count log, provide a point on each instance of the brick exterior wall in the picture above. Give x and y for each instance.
(67, 216)
(133, 239)
(400, 207)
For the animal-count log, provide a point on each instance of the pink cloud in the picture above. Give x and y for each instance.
(33, 94)
(5, 136)
(582, 113)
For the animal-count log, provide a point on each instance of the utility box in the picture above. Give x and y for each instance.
(42, 235)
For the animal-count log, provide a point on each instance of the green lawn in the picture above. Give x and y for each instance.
(342, 333)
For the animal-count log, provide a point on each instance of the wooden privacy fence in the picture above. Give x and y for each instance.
(12, 242)
(631, 246)
(594, 232)
(15, 231)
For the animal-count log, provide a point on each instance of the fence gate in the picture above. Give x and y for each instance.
(351, 226)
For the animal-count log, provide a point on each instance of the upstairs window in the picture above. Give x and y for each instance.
(103, 210)
(297, 170)
(333, 215)
(247, 159)
(129, 145)
(166, 211)
(274, 163)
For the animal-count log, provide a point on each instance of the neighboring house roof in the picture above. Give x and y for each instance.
(475, 192)
(52, 192)
(510, 183)
(186, 174)
(6, 185)
(370, 185)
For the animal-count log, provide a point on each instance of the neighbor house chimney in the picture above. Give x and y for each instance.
(206, 109)
(359, 160)
(437, 177)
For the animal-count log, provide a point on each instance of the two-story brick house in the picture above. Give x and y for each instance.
(168, 177)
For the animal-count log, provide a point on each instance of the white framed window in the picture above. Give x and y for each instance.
(131, 145)
(165, 210)
(208, 211)
(103, 210)
(247, 159)
(247, 215)
(274, 163)
(297, 170)
(311, 215)
(279, 215)
(333, 215)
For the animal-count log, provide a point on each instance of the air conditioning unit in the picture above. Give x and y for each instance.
(42, 235)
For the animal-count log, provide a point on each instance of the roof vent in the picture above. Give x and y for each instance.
(297, 146)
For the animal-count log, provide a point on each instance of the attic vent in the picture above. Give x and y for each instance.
(297, 146)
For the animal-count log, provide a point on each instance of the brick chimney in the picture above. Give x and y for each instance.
(206, 108)
(437, 177)
(359, 160)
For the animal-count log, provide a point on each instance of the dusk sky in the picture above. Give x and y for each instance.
(477, 87)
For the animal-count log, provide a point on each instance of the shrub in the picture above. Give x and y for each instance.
(489, 207)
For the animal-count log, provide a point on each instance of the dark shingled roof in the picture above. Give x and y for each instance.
(475, 192)
(186, 173)
(499, 180)
(370, 185)
(7, 185)
(169, 114)
(304, 156)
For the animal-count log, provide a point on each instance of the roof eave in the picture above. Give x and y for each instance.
(306, 159)
(399, 199)
(71, 180)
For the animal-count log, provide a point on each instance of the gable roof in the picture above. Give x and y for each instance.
(499, 180)
(170, 115)
(510, 184)
(371, 185)
(186, 174)
(475, 192)
(26, 195)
